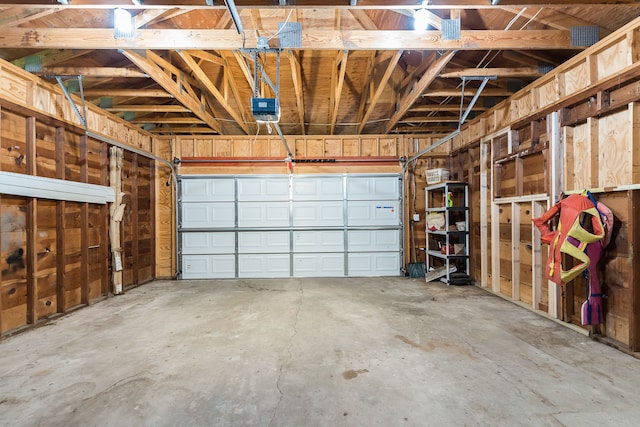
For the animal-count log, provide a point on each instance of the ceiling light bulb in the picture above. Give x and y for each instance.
(122, 23)
(420, 19)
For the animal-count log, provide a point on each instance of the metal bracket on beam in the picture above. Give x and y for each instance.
(485, 80)
(83, 118)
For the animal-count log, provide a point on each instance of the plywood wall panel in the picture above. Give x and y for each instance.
(615, 157)
(203, 147)
(576, 78)
(222, 148)
(612, 59)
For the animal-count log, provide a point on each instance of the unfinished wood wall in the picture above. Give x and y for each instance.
(54, 254)
(597, 100)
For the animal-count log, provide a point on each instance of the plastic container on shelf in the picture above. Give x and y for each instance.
(437, 175)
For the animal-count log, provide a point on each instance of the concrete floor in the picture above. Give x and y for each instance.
(312, 352)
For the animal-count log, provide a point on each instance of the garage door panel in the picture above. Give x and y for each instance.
(263, 189)
(291, 225)
(208, 215)
(208, 243)
(318, 188)
(208, 190)
(318, 241)
(318, 265)
(260, 214)
(263, 265)
(208, 266)
(309, 214)
(374, 264)
(373, 240)
(373, 213)
(260, 242)
(373, 188)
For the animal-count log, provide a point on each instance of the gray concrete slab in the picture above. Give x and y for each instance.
(312, 352)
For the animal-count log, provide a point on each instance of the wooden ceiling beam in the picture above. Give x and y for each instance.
(313, 39)
(132, 93)
(429, 120)
(12, 17)
(182, 130)
(363, 19)
(553, 18)
(212, 89)
(208, 56)
(53, 56)
(296, 76)
(427, 78)
(488, 72)
(442, 109)
(341, 62)
(156, 72)
(92, 72)
(149, 108)
(382, 84)
(168, 120)
(458, 92)
(320, 4)
(364, 94)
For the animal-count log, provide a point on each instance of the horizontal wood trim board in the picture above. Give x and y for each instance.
(17, 184)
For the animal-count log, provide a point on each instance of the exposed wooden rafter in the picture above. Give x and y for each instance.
(458, 92)
(381, 86)
(427, 78)
(92, 72)
(174, 87)
(498, 72)
(149, 108)
(213, 90)
(128, 93)
(296, 76)
(341, 64)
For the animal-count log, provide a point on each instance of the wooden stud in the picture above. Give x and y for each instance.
(535, 133)
(519, 175)
(634, 236)
(104, 213)
(495, 248)
(135, 213)
(634, 111)
(569, 158)
(32, 226)
(84, 227)
(152, 215)
(515, 251)
(485, 169)
(592, 124)
(60, 223)
(537, 268)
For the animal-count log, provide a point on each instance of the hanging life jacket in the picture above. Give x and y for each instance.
(570, 237)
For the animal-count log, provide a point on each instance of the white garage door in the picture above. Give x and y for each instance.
(269, 226)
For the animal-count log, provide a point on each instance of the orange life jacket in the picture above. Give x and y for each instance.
(570, 237)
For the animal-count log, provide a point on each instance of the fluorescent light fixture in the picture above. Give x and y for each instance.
(494, 2)
(64, 1)
(233, 11)
(122, 24)
(354, 2)
(421, 17)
